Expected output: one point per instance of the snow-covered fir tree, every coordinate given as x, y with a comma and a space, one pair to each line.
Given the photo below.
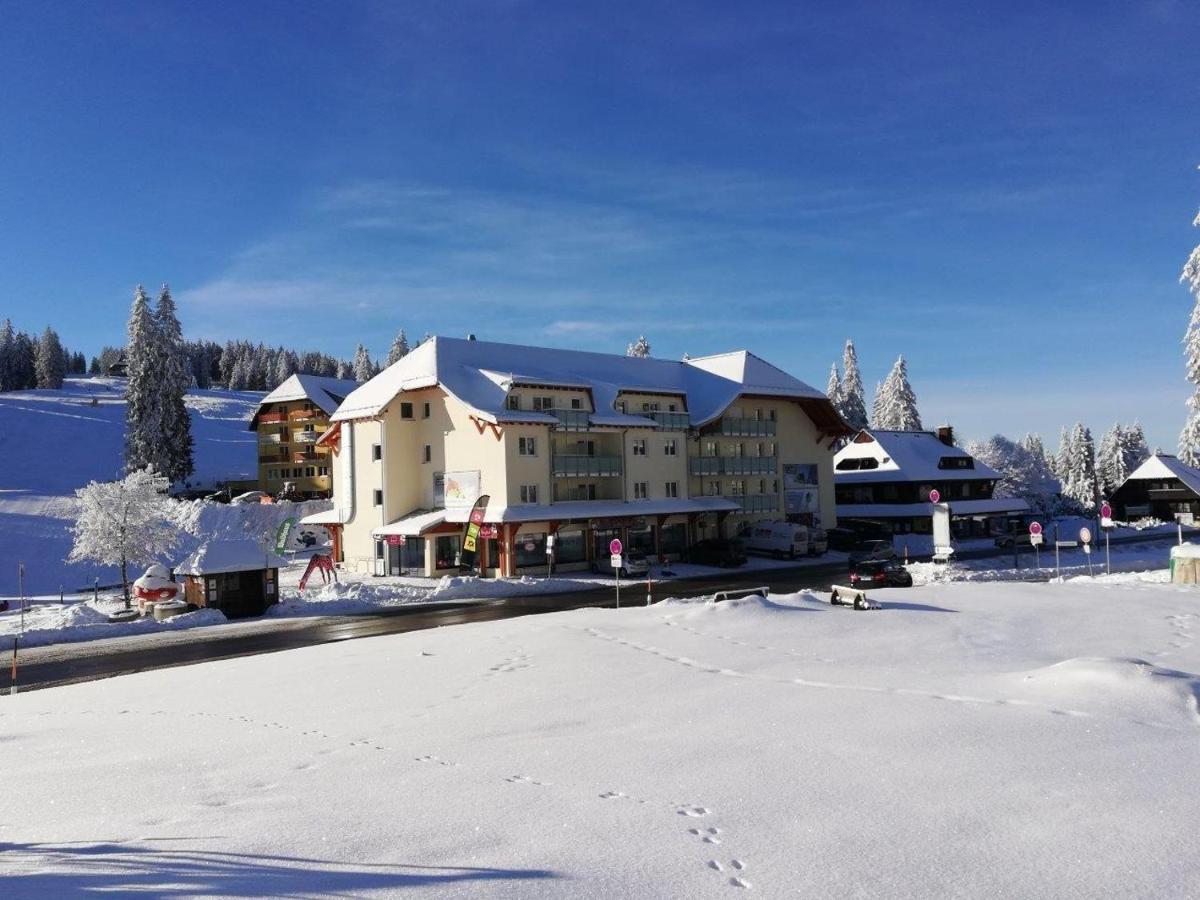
124, 522
177, 377
1077, 468
853, 406
833, 390
876, 404
896, 403
639, 348
1189, 438
49, 361
363, 369
1023, 471
399, 348
1110, 460
1133, 446
287, 364
345, 371
143, 390
7, 343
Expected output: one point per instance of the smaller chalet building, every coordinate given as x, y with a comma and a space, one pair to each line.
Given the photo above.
1160, 487
236, 577
884, 478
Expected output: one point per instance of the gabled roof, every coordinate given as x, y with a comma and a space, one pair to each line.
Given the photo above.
214, 557
326, 393
480, 374
905, 456
1162, 465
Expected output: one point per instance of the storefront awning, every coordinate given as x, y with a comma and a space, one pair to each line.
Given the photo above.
596, 509
412, 526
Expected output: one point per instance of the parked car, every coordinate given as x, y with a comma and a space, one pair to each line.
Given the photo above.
842, 539
818, 541
249, 497
1005, 541
635, 565
871, 550
880, 573
717, 552
778, 539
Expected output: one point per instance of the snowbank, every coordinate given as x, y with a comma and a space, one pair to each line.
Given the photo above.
52, 623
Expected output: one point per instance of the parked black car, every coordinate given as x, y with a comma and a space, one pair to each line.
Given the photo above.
717, 552
872, 550
880, 573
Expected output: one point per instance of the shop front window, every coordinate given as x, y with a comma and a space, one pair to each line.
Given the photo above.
570, 547
446, 551
674, 538
531, 549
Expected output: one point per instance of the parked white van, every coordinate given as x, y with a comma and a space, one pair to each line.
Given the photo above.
777, 538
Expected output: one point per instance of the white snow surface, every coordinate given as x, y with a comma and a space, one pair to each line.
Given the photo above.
967, 740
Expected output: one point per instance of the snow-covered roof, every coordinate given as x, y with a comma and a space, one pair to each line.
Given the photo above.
325, 517
419, 522
1163, 466
905, 456
412, 525
214, 557
325, 393
905, 510
481, 373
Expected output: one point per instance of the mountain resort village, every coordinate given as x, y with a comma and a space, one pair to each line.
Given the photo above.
546, 451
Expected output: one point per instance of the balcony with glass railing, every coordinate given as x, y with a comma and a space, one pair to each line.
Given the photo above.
732, 465
742, 427
570, 419
576, 466
669, 421
305, 437
755, 503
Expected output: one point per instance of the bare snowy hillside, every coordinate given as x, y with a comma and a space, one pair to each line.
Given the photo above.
52, 442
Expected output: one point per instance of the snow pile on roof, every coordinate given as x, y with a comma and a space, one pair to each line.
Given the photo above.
1162, 466
213, 557
906, 456
327, 393
480, 374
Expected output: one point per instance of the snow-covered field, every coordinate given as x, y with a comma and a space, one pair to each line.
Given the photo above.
968, 740
52, 442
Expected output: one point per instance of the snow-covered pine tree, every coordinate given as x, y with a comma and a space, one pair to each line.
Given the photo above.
49, 362
1062, 460
1023, 471
7, 342
287, 364
177, 378
399, 348
833, 390
1189, 438
144, 390
123, 522
1110, 460
363, 370
1080, 481
1033, 443
876, 405
345, 371
1133, 447
239, 376
897, 410
854, 403
24, 364
639, 348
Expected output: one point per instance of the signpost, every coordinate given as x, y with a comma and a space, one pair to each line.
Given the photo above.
1085, 537
1106, 525
935, 496
549, 555
615, 547
1036, 539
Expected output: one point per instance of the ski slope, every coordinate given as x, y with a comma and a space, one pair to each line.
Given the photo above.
52, 442
968, 740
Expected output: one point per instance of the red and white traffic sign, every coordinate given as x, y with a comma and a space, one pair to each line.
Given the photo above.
615, 546
1105, 511
1085, 534
1035, 527
935, 496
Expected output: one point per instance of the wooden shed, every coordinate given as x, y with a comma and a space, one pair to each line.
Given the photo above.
236, 577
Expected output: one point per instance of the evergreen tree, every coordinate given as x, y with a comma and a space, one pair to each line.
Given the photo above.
854, 403
639, 348
1133, 447
1110, 460
897, 410
24, 362
143, 391
49, 362
399, 349
1023, 471
1079, 469
363, 370
833, 390
345, 371
1189, 438
876, 405
7, 350
177, 377
287, 364
95, 367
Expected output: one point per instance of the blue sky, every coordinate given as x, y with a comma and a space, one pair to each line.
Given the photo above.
1002, 192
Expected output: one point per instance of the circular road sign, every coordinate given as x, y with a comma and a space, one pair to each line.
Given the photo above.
615, 546
1035, 527
935, 496
1085, 534
1105, 511
530, 546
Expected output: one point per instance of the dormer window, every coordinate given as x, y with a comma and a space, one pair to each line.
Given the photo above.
513, 401
956, 462
853, 464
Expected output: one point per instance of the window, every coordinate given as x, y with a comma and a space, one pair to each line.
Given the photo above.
446, 551
713, 489
758, 449
649, 407
762, 485
527, 446
406, 411
428, 453
296, 473
310, 471
576, 403
376, 452
639, 447
531, 550
512, 402
529, 493
710, 448
670, 407
672, 489
770, 415
669, 447
378, 498
543, 404
424, 410
758, 415
640, 491
736, 488
621, 406
323, 471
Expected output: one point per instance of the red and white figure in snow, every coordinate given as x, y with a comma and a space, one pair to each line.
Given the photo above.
155, 585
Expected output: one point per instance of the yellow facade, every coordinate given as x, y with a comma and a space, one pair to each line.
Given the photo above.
288, 449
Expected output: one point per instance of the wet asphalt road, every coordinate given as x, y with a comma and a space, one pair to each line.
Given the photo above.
55, 665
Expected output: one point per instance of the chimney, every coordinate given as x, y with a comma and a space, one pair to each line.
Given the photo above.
945, 434
470, 337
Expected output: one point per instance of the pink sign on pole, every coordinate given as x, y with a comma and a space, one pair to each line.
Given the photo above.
615, 546
1035, 527
935, 496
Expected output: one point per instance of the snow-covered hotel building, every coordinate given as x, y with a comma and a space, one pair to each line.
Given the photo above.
885, 478
586, 447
